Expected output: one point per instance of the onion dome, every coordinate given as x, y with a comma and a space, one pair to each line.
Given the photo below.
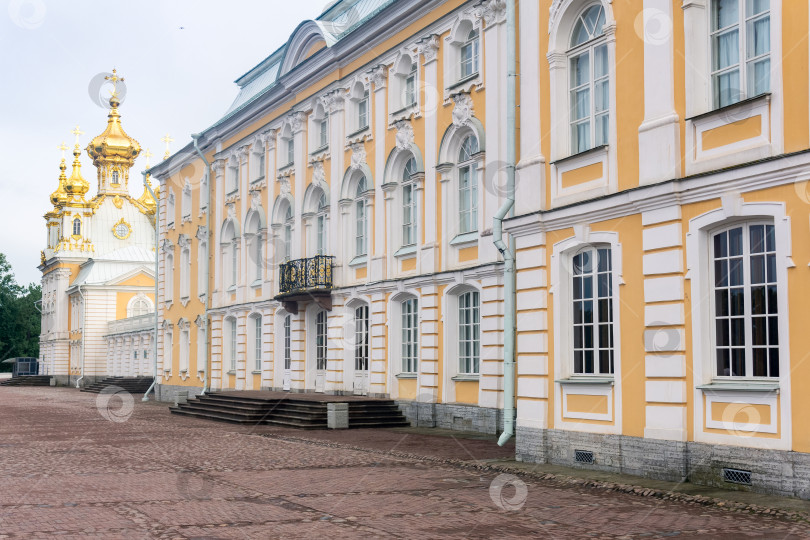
146, 199
59, 197
76, 184
113, 146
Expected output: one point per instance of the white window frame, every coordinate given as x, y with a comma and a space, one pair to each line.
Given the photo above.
321, 339
185, 272
472, 44
743, 64
231, 344
287, 342
358, 117
170, 210
362, 333
322, 226
409, 330
232, 179
360, 215
454, 79
287, 232
472, 191
185, 202
185, 346
706, 385
597, 346
409, 208
567, 382
169, 274
77, 231
258, 163
202, 260
256, 337
202, 347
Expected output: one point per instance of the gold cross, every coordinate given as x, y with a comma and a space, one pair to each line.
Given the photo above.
114, 80
77, 133
62, 147
167, 139
147, 154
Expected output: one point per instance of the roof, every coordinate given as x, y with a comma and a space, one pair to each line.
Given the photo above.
336, 22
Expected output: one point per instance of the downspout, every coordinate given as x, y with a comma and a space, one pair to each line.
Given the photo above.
84, 333
508, 252
195, 138
157, 230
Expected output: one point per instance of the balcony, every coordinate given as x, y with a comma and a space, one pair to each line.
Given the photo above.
306, 279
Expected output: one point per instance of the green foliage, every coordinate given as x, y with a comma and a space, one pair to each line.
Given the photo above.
19, 318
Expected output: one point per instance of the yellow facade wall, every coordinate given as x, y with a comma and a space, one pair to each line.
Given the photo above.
740, 130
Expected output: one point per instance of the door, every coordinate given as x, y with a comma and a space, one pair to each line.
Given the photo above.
361, 350
286, 379
320, 351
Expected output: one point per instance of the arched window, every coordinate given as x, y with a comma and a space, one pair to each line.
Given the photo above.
361, 247
589, 81
115, 177
234, 265
77, 227
408, 204
469, 55
741, 50
288, 230
321, 224
138, 306
468, 186
169, 281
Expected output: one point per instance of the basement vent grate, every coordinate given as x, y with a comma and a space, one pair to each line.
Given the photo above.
583, 456
736, 476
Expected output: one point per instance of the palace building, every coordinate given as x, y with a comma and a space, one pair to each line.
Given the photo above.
335, 230
98, 269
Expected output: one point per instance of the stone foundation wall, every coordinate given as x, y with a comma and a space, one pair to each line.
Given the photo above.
168, 392
453, 416
775, 472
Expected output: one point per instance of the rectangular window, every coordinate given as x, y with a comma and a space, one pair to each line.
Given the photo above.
468, 199
257, 352
469, 56
360, 236
408, 215
262, 167
185, 341
287, 242
135, 355
321, 233
259, 261
410, 336
320, 341
234, 265
745, 302
590, 99
361, 338
741, 47
290, 151
469, 332
232, 344
592, 295
362, 112
288, 342
323, 133
410, 87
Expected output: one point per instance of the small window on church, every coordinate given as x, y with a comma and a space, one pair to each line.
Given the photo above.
115, 177
77, 227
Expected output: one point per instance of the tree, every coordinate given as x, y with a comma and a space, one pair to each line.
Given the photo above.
19, 318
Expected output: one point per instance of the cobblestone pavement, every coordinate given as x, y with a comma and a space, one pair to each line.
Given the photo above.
75, 467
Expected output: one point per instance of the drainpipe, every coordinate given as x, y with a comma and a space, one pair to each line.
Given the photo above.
155, 352
84, 333
195, 137
508, 252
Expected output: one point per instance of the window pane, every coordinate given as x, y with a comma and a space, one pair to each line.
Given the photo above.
725, 13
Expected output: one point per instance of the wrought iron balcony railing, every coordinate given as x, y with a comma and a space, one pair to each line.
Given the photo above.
306, 275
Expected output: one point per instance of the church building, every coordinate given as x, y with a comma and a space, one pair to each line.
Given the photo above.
98, 269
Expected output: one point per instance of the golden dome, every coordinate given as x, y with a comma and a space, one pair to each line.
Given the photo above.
59, 197
114, 145
76, 184
146, 199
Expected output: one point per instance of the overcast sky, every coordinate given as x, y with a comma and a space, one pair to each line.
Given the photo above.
179, 59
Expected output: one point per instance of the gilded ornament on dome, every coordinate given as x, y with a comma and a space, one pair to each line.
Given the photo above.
122, 229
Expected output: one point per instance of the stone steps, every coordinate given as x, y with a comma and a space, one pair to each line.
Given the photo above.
28, 380
299, 412
133, 385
